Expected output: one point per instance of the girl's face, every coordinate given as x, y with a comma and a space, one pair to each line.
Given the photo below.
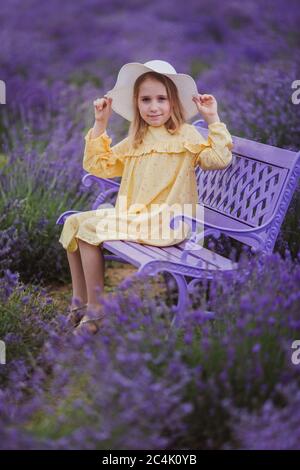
153, 103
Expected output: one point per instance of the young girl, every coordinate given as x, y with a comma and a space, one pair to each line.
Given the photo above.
157, 163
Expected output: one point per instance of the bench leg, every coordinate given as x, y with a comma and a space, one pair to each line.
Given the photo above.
182, 302
191, 287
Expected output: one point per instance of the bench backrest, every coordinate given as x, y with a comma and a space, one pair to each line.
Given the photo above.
256, 188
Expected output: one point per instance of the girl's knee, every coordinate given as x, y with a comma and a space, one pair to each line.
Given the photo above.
82, 242
85, 243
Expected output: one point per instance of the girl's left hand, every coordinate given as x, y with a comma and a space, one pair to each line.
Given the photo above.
207, 105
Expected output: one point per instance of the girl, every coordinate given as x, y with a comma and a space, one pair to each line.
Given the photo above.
157, 163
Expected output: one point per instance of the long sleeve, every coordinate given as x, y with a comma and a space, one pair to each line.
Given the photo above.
213, 153
102, 160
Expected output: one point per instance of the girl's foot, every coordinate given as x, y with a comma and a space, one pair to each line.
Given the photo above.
75, 314
90, 322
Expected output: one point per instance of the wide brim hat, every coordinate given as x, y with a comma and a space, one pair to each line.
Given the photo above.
122, 93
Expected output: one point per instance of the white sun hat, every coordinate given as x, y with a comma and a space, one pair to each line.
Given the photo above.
122, 93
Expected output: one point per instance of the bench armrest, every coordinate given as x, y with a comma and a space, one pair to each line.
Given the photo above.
107, 188
216, 230
104, 183
236, 231
61, 219
100, 199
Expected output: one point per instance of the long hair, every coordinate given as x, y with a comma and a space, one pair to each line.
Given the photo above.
138, 127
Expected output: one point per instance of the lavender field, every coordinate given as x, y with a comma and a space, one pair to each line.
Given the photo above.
227, 383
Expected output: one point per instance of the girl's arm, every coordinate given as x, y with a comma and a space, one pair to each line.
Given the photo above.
213, 153
100, 159
98, 129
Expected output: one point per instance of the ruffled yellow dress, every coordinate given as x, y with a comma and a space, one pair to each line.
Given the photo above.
158, 181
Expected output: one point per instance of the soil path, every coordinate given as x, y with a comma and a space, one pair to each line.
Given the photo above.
114, 275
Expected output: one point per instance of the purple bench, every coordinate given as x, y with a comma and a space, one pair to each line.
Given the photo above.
247, 201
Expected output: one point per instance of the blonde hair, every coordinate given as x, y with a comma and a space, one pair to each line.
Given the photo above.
138, 127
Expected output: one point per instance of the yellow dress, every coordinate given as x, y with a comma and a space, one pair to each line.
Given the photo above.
158, 179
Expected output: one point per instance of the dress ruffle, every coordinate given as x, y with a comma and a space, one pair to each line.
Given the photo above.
191, 140
156, 147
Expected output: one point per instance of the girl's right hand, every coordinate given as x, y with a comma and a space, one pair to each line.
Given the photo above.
102, 109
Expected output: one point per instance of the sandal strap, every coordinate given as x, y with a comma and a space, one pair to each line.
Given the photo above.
75, 309
88, 320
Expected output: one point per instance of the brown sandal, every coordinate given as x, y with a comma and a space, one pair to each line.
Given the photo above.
75, 314
89, 325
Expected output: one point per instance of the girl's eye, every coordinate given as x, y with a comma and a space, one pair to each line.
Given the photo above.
146, 99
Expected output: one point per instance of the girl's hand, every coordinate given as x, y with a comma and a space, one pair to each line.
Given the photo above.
207, 105
103, 110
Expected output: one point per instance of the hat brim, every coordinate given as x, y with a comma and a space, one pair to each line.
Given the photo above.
122, 93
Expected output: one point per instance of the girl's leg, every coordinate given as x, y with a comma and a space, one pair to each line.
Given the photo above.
77, 275
93, 264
